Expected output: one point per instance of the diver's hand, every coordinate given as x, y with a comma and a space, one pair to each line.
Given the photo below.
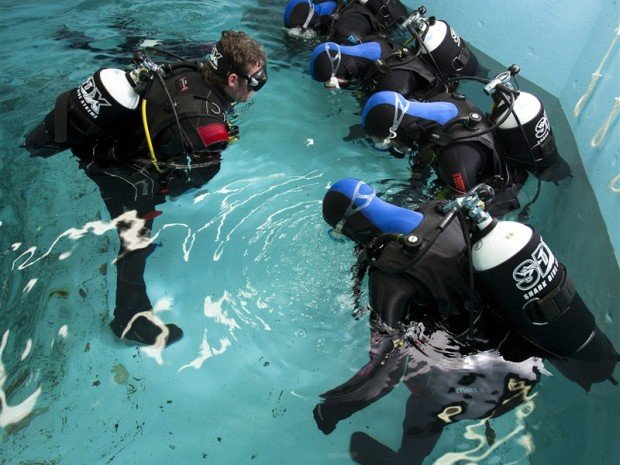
324, 423
356, 131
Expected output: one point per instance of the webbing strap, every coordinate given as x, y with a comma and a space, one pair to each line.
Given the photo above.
60, 117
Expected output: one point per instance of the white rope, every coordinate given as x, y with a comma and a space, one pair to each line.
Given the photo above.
615, 184
596, 75
599, 136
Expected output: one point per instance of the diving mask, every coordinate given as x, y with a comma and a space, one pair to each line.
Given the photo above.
257, 80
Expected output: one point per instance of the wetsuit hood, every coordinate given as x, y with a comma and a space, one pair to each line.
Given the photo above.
342, 61
305, 14
388, 115
352, 207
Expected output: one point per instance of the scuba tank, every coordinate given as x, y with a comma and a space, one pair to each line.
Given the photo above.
522, 278
526, 132
441, 45
96, 109
521, 125
526, 286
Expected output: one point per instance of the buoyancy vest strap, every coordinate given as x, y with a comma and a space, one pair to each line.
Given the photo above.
462, 59
60, 117
170, 121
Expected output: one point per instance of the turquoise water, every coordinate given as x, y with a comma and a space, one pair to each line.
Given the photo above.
245, 267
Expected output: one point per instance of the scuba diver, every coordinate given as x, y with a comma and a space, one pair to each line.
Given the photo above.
379, 65
465, 349
452, 136
148, 133
417, 71
464, 145
344, 21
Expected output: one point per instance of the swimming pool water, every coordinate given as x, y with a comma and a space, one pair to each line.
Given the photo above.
245, 266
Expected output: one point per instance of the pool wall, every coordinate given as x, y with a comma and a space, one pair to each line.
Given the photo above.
560, 45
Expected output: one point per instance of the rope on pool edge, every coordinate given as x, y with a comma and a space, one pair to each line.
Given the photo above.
599, 136
615, 183
596, 75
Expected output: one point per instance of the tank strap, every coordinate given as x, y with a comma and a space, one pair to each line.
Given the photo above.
60, 117
461, 61
553, 305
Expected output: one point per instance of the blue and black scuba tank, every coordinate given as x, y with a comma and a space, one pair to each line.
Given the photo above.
103, 106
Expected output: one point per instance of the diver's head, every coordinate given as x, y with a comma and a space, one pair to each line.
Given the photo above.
237, 64
386, 121
352, 208
304, 14
337, 65
342, 209
353, 27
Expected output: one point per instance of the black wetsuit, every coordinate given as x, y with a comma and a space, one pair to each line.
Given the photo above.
352, 21
120, 165
398, 70
403, 72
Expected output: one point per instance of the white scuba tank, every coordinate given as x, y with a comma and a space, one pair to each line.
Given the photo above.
524, 283
101, 107
106, 97
528, 117
504, 241
447, 49
117, 84
513, 257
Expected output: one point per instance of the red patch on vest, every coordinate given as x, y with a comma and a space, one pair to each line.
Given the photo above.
182, 84
459, 184
213, 133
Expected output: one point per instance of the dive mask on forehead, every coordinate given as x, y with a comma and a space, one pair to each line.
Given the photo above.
401, 105
310, 15
352, 208
334, 61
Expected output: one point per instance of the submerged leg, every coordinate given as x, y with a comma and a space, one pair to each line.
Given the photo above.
125, 189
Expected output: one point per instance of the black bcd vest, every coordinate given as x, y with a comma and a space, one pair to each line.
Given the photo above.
194, 101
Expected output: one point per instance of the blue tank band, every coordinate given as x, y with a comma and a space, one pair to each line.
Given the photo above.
322, 9
369, 50
441, 112
388, 218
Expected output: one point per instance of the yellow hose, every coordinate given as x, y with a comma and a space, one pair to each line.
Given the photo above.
148, 137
